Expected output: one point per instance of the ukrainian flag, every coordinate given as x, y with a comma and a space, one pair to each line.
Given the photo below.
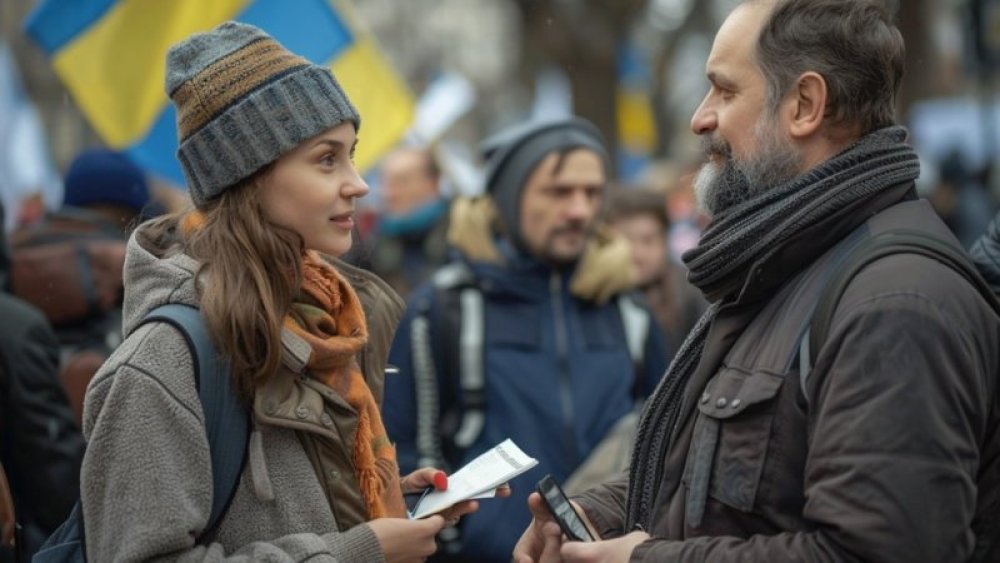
112, 56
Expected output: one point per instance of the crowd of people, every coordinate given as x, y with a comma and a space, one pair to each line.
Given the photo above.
813, 376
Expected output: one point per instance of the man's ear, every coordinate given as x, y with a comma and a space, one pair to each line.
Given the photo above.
807, 105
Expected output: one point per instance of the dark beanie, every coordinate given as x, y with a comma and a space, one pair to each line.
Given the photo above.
105, 177
243, 100
512, 155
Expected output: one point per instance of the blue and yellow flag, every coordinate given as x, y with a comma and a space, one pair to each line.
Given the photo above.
111, 54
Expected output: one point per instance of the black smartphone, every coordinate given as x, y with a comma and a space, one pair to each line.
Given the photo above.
564, 513
414, 498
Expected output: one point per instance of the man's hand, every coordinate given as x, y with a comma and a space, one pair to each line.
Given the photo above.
541, 541
618, 550
529, 547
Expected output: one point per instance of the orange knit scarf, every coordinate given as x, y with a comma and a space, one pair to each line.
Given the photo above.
328, 315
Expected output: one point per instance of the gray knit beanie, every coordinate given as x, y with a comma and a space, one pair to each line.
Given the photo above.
243, 100
512, 155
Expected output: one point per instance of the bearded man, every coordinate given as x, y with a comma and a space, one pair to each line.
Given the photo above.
882, 442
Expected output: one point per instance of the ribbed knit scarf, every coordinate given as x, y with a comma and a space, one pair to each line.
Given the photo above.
328, 315
739, 237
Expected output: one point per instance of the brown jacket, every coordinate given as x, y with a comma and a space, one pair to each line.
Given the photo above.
875, 457
326, 424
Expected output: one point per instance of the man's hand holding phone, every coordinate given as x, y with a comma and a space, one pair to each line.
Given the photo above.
563, 511
543, 541
543, 537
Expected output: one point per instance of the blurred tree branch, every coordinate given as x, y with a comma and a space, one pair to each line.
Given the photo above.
581, 37
697, 21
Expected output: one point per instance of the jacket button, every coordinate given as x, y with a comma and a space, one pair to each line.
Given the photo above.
736, 403
334, 474
721, 403
705, 398
302, 412
326, 420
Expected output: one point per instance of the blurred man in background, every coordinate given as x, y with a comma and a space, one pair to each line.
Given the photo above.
411, 234
70, 264
639, 214
529, 334
41, 446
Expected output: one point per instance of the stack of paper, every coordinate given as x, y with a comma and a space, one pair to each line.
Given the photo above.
478, 479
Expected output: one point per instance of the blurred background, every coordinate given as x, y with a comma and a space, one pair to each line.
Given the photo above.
633, 67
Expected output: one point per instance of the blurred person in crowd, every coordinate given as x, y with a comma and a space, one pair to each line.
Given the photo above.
881, 440
70, 264
639, 214
411, 236
529, 334
962, 200
40, 444
686, 220
270, 170
985, 254
108, 188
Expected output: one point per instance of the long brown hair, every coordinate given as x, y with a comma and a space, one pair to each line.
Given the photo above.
251, 271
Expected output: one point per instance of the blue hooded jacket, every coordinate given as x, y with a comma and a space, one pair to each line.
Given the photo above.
558, 376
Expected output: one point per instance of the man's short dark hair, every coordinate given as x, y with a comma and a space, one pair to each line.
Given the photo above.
625, 202
852, 44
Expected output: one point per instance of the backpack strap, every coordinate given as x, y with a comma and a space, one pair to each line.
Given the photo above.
227, 421
871, 250
454, 289
426, 399
635, 321
903, 241
472, 379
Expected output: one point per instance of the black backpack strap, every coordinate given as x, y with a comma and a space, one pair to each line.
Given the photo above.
871, 250
227, 421
865, 253
886, 244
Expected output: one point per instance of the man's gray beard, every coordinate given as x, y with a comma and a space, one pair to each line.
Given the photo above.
720, 186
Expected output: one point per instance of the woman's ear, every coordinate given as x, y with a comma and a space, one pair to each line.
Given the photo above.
807, 105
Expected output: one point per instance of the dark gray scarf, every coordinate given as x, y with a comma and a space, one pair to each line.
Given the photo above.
743, 235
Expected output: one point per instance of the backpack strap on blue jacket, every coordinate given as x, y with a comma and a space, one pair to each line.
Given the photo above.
227, 421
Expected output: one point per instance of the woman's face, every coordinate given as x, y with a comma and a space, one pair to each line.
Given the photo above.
312, 188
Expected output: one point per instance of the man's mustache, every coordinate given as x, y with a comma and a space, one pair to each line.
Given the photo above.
714, 146
572, 228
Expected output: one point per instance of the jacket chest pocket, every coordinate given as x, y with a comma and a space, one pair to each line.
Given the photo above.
730, 441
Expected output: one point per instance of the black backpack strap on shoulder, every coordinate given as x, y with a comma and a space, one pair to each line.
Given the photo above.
872, 250
227, 421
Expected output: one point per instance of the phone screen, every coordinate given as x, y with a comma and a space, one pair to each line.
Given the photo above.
564, 513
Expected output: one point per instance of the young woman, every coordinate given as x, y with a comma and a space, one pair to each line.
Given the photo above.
266, 144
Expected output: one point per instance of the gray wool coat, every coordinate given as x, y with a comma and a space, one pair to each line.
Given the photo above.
146, 479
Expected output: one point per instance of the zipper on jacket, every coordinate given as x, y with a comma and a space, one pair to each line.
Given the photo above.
562, 351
